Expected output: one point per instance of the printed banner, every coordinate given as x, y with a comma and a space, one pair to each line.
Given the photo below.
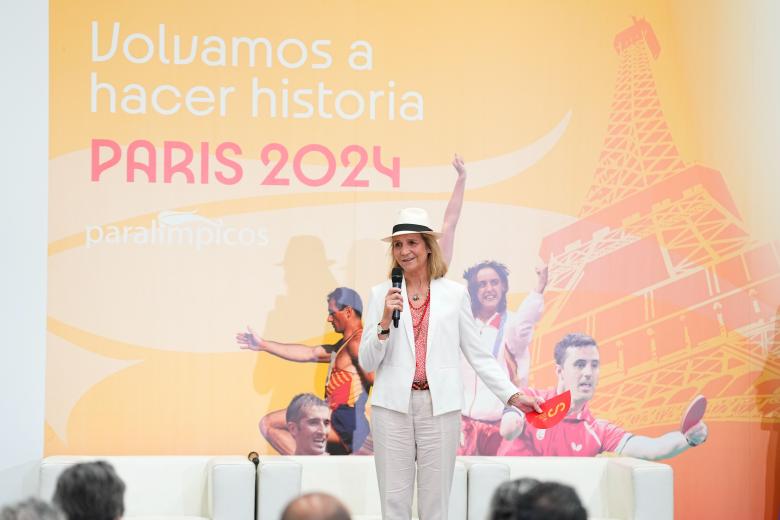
221, 178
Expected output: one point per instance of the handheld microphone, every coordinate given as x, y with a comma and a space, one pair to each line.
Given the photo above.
396, 276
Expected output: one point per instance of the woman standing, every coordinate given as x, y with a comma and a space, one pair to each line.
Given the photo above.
418, 391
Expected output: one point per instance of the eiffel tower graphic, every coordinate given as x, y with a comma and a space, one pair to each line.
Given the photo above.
662, 271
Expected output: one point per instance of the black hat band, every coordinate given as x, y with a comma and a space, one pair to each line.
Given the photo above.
416, 228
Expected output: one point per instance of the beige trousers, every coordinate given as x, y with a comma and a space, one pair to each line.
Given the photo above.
417, 442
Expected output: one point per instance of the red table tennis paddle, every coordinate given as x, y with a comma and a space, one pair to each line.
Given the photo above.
553, 411
693, 413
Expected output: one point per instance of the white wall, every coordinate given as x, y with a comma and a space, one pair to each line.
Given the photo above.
23, 209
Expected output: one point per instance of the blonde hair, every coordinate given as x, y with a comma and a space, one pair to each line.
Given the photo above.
437, 267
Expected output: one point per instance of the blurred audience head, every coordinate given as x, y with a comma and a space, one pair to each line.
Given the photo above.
315, 506
30, 509
90, 491
503, 506
529, 499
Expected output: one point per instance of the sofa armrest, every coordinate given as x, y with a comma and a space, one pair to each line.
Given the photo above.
483, 480
231, 488
640, 489
278, 482
50, 470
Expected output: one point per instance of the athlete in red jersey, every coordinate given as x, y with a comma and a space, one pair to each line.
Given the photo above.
580, 433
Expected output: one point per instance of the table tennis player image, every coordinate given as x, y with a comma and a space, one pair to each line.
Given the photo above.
580, 434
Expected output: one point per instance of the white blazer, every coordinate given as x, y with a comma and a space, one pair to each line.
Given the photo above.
451, 330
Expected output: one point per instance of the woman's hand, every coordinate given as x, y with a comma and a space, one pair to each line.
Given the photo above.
393, 301
526, 403
249, 340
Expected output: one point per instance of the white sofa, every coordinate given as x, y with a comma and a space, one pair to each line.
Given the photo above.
609, 487
351, 479
167, 487
230, 488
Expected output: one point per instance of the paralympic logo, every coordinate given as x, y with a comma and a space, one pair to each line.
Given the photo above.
180, 229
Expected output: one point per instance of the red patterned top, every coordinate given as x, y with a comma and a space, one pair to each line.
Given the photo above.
420, 317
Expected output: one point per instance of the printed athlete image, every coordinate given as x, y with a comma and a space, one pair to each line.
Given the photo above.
346, 385
580, 434
506, 335
309, 423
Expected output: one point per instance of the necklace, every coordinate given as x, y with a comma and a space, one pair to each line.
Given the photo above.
416, 296
422, 310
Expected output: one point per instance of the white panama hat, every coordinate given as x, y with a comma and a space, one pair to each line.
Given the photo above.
412, 220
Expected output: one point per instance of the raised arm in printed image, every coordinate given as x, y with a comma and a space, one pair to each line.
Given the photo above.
452, 213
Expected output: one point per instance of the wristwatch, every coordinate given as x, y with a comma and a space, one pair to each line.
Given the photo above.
380, 331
